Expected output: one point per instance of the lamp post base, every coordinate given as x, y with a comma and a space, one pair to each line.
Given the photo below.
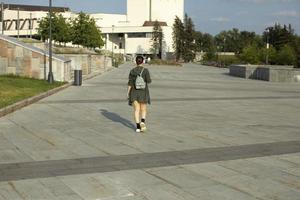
50, 78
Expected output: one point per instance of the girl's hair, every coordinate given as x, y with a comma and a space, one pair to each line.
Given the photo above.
139, 60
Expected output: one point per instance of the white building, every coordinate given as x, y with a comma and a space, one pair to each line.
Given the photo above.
129, 34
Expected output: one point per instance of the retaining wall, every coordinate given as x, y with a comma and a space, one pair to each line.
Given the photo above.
23, 59
88, 63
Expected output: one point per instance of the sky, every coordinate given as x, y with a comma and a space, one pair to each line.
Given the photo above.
210, 16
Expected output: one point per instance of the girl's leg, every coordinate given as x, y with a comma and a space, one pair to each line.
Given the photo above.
143, 110
137, 109
143, 113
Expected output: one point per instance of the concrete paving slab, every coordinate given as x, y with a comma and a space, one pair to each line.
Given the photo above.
57, 144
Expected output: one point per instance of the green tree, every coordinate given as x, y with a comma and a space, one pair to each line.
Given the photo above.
235, 41
157, 38
178, 37
208, 42
286, 56
85, 32
44, 27
61, 29
271, 53
95, 40
279, 36
250, 54
198, 41
62, 32
249, 38
188, 44
210, 54
297, 50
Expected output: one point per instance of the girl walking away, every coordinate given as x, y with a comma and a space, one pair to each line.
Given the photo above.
138, 93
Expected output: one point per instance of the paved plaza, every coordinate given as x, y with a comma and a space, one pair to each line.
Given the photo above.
211, 137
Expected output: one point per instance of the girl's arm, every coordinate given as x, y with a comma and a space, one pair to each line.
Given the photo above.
128, 90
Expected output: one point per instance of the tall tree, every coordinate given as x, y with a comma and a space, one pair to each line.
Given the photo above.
95, 40
157, 38
62, 30
279, 35
85, 32
208, 42
189, 39
178, 37
43, 29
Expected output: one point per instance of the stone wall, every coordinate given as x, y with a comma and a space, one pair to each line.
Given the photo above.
266, 73
26, 60
88, 63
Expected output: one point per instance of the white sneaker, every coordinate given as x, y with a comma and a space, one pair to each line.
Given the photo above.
143, 127
138, 130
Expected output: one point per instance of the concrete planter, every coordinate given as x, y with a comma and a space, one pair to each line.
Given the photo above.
266, 72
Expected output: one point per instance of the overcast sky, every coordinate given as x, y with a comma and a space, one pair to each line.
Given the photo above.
210, 16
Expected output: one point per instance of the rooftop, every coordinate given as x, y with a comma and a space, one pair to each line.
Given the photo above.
23, 7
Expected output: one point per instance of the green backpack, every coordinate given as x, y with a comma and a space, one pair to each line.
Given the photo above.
139, 81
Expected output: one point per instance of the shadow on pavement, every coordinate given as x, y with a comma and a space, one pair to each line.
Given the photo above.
117, 118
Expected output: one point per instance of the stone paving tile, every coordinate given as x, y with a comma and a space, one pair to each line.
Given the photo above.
166, 191
131, 179
8, 192
181, 178
293, 158
193, 107
294, 171
91, 187
220, 192
31, 189
261, 188
13, 156
211, 170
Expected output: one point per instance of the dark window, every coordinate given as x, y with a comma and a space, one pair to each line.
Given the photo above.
136, 35
120, 45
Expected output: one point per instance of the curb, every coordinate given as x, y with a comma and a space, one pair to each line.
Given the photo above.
21, 104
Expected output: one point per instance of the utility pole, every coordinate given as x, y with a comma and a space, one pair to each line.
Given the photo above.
18, 23
268, 46
30, 25
150, 10
50, 74
112, 45
2, 18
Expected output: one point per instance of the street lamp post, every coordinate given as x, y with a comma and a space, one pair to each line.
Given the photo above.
112, 45
268, 46
18, 23
2, 18
30, 25
50, 74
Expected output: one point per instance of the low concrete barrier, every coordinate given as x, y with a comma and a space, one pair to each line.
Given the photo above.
266, 73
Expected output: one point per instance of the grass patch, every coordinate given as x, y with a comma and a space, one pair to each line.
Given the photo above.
72, 50
164, 62
30, 40
16, 88
222, 61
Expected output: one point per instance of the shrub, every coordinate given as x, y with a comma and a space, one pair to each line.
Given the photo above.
164, 62
271, 52
210, 55
226, 60
286, 56
250, 54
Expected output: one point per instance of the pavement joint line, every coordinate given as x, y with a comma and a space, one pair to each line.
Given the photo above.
173, 99
53, 168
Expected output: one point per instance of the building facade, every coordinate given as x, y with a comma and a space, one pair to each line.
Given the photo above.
127, 34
